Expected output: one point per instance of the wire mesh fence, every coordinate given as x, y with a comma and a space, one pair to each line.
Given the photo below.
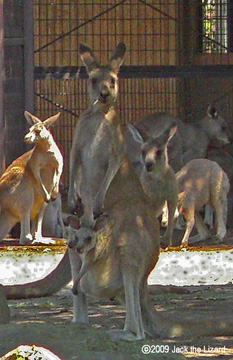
160, 35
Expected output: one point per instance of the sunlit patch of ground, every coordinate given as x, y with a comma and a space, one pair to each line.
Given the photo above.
22, 264
181, 267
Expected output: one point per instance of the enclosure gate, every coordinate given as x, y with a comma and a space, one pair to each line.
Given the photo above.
174, 63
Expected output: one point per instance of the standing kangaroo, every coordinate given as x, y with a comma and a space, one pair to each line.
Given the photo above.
31, 181
126, 251
202, 182
97, 146
156, 175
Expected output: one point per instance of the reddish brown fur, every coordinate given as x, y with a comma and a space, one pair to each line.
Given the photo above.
22, 194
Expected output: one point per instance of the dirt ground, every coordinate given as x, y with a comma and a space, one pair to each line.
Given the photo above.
199, 320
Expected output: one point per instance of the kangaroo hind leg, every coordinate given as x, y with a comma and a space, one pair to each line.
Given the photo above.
133, 329
6, 224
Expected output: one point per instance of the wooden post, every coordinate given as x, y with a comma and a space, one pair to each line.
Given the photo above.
2, 129
19, 70
29, 55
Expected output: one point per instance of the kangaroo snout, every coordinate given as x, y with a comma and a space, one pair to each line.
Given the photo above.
80, 249
149, 156
71, 245
226, 141
149, 166
220, 141
104, 95
28, 139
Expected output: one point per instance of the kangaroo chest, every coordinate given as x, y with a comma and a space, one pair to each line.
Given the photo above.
103, 141
155, 187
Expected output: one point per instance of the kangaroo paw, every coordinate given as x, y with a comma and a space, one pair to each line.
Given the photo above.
75, 290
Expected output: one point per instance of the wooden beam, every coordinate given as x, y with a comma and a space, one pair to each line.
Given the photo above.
29, 55
138, 71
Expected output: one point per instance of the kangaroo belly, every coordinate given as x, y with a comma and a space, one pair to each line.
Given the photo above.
157, 196
37, 201
93, 175
103, 280
47, 176
36, 207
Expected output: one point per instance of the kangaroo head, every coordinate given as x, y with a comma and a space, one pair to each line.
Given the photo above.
215, 126
84, 238
153, 150
39, 130
103, 80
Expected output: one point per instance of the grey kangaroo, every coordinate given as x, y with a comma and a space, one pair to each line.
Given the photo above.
125, 252
97, 146
156, 175
202, 182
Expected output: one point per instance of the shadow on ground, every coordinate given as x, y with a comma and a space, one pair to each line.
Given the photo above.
199, 318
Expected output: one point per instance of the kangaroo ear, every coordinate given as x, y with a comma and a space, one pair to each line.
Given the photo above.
166, 136
31, 119
172, 131
88, 58
212, 112
117, 57
101, 222
51, 120
138, 135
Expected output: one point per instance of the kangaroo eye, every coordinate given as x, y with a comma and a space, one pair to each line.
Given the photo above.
88, 240
159, 153
113, 82
94, 81
37, 132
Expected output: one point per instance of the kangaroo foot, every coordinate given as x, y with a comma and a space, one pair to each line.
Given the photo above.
164, 243
124, 335
26, 239
197, 238
217, 240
